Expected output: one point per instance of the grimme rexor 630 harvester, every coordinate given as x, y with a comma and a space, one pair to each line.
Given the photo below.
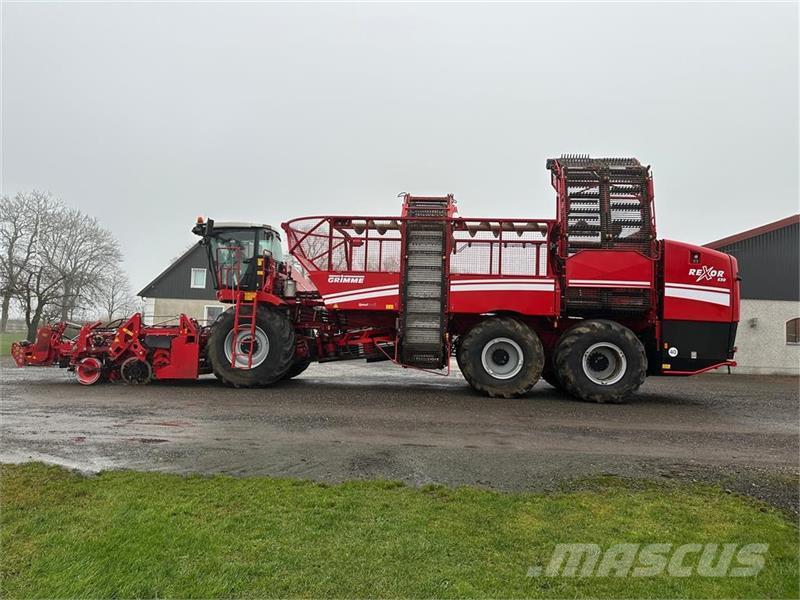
591, 301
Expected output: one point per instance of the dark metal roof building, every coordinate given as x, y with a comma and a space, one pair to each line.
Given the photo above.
176, 281
769, 259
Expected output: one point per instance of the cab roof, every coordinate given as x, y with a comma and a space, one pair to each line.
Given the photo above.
242, 225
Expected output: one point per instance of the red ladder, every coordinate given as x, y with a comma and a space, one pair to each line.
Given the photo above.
244, 315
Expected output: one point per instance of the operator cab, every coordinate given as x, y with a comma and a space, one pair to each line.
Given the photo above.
237, 252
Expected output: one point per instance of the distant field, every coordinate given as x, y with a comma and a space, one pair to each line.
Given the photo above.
128, 534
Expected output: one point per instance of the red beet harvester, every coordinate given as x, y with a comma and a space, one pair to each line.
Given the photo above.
591, 301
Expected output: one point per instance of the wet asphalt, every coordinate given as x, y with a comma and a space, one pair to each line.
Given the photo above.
357, 421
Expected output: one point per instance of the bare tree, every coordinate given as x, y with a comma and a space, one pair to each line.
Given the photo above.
80, 252
21, 219
115, 297
54, 261
318, 248
37, 292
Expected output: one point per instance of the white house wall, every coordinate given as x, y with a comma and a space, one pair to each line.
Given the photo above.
761, 338
165, 308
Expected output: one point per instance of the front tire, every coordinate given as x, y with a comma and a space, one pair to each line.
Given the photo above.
501, 357
272, 355
297, 367
600, 361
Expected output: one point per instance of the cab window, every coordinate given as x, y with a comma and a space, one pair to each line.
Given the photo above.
271, 243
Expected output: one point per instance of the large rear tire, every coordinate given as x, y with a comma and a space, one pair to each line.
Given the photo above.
272, 355
550, 375
458, 352
297, 367
600, 361
501, 357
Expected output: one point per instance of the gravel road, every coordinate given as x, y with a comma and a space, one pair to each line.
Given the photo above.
351, 420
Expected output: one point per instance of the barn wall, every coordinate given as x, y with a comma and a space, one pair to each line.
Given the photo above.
769, 264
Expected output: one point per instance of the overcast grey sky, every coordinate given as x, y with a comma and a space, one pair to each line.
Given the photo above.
146, 115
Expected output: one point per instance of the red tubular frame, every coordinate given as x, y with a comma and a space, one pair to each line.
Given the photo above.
499, 228
727, 363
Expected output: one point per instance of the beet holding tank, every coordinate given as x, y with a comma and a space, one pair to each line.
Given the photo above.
700, 307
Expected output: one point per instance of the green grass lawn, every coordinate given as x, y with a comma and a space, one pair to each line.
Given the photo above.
127, 534
6, 339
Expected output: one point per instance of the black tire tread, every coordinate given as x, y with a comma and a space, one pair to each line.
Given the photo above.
551, 377
458, 353
297, 367
515, 387
284, 340
600, 329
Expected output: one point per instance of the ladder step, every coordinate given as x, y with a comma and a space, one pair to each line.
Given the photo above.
424, 226
584, 228
427, 212
428, 247
424, 290
424, 305
627, 222
245, 316
425, 260
421, 359
429, 337
424, 275
423, 321
414, 232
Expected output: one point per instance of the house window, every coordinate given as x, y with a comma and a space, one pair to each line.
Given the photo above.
793, 331
212, 311
198, 278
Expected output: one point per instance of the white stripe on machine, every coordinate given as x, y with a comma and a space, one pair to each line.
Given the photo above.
608, 283
503, 287
501, 280
721, 298
361, 295
464, 285
692, 286
362, 291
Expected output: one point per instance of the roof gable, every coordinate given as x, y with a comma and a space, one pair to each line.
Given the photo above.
174, 281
